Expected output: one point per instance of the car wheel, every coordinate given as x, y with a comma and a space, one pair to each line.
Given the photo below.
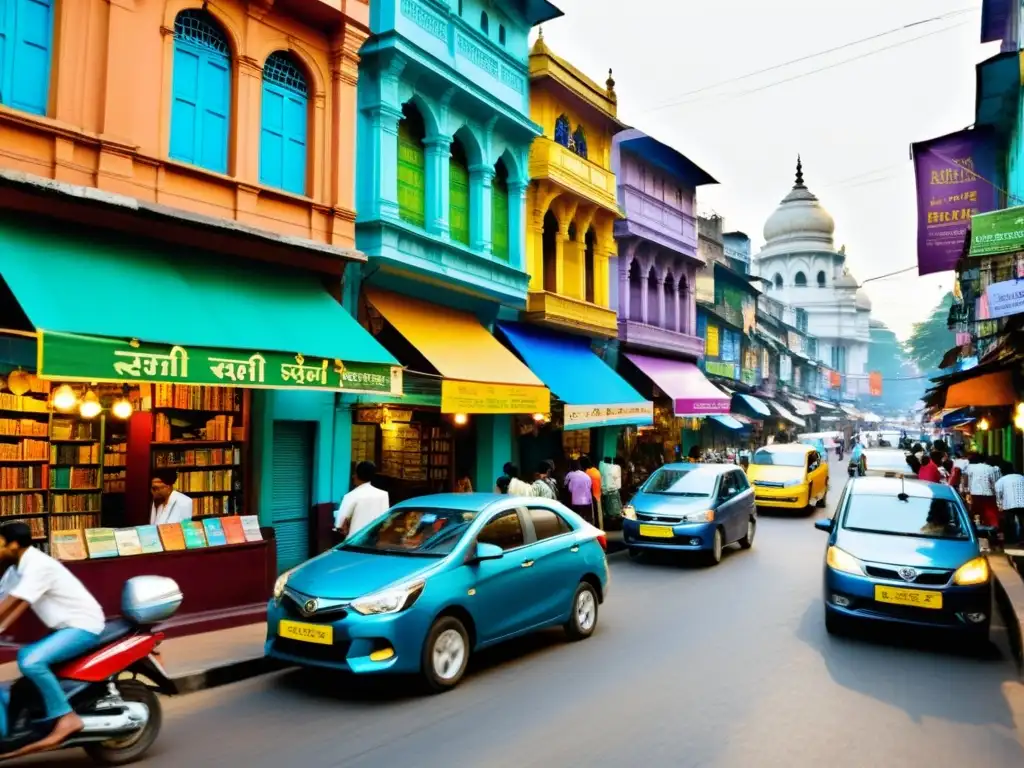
714, 555
823, 500
748, 541
583, 617
445, 654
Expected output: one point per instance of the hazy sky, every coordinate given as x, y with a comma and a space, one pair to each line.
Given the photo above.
852, 122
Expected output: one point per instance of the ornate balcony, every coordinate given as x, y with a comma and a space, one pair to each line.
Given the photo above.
570, 314
565, 168
656, 339
657, 221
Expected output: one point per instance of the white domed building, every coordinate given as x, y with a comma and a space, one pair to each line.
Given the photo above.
804, 270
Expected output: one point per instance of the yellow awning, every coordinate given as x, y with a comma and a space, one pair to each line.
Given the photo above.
480, 375
987, 390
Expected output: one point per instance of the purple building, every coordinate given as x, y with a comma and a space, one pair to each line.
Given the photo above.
657, 265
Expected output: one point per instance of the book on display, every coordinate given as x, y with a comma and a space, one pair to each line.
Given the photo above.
128, 542
101, 542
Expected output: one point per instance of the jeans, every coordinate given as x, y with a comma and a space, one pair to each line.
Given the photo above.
35, 662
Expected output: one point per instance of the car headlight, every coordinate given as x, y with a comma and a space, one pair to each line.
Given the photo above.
972, 572
706, 516
391, 600
282, 580
628, 512
841, 560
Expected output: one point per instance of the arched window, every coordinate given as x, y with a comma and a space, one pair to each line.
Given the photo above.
653, 316
458, 193
26, 41
589, 244
283, 124
550, 252
636, 313
499, 212
579, 140
684, 292
562, 130
501, 34
201, 92
821, 278
800, 279
412, 167
778, 280
670, 302
485, 23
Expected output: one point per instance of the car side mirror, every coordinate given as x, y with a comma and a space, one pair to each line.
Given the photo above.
825, 524
486, 551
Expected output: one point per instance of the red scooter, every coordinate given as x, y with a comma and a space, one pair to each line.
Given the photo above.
112, 688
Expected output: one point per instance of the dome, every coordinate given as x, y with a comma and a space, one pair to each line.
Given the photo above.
846, 280
863, 302
799, 217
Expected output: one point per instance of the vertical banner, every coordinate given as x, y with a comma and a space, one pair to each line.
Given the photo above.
706, 285
955, 177
711, 342
875, 383
835, 380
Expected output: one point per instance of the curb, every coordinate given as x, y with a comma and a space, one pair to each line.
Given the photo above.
226, 674
1009, 594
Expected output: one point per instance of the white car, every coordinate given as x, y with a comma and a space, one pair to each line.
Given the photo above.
887, 462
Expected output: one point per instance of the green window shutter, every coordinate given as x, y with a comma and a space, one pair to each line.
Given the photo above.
458, 194
499, 219
292, 493
412, 172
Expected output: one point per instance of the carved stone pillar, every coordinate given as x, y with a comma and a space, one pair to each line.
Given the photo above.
517, 226
437, 182
480, 179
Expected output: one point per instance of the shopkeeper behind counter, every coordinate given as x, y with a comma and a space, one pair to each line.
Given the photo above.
169, 506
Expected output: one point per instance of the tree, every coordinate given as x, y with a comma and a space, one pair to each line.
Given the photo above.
931, 338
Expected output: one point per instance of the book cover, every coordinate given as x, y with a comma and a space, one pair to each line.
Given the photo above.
233, 531
251, 528
100, 542
214, 532
172, 536
194, 536
149, 537
68, 545
128, 542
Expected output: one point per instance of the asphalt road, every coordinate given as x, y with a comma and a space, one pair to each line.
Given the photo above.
690, 666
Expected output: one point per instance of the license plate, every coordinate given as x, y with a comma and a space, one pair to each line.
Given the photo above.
321, 634
657, 531
919, 598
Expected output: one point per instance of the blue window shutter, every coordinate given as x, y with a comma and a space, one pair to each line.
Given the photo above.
272, 137
215, 98
26, 35
185, 104
295, 111
283, 141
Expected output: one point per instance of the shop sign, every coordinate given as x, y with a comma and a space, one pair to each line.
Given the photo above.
475, 397
95, 358
726, 370
785, 368
875, 383
796, 342
586, 416
706, 285
1005, 298
711, 342
749, 314
997, 232
749, 376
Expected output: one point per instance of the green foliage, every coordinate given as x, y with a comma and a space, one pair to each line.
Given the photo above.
931, 338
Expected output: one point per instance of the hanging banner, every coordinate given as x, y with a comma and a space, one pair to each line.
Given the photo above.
475, 397
706, 285
587, 416
1005, 298
954, 176
711, 342
785, 368
998, 232
875, 383
835, 381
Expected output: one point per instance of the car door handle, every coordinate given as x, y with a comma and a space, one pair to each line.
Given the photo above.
575, 548
527, 564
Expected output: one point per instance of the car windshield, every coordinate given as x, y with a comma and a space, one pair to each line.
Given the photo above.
698, 482
925, 517
411, 531
779, 458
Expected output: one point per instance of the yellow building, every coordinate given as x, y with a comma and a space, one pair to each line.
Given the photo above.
571, 207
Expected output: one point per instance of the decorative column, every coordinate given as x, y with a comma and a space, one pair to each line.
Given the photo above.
625, 261
536, 235
438, 184
659, 287
245, 165
480, 179
381, 155
517, 227
644, 308
676, 301
561, 238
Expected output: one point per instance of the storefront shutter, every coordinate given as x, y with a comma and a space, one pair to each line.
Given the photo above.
292, 494
412, 197
458, 209
499, 219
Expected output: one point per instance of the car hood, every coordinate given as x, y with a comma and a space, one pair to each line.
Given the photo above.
341, 574
907, 550
664, 504
775, 474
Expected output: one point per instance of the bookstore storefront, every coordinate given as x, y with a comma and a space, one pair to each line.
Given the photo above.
167, 364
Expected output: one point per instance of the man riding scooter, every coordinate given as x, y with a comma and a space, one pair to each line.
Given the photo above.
60, 601
858, 462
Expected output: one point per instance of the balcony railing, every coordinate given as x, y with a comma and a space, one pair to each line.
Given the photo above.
573, 314
660, 339
549, 160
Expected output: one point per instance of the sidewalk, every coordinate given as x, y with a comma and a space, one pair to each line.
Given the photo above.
208, 660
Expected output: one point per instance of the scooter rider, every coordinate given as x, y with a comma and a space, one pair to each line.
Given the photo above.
63, 604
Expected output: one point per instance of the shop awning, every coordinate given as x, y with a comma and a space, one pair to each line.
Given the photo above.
480, 374
593, 393
824, 404
849, 410
754, 404
114, 311
692, 394
786, 414
802, 407
727, 421
987, 390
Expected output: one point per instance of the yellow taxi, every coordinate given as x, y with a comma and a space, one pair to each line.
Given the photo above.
789, 476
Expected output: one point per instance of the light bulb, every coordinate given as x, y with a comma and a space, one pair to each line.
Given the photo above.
122, 409
983, 425
461, 419
19, 382
64, 398
538, 417
90, 407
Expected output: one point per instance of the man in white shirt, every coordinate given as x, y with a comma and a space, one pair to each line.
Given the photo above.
981, 484
63, 604
169, 506
362, 505
1010, 498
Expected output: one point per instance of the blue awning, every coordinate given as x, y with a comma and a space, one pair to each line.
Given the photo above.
593, 393
728, 421
754, 404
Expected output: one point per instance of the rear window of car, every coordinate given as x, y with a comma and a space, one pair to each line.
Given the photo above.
922, 517
547, 523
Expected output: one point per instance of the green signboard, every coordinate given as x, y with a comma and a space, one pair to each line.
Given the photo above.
94, 358
997, 232
716, 368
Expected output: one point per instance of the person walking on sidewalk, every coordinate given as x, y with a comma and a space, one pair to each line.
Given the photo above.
516, 486
581, 491
362, 505
1010, 499
595, 486
981, 484
544, 486
611, 487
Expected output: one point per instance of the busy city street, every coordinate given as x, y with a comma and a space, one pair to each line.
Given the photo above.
691, 666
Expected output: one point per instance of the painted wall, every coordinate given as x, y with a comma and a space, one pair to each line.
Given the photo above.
107, 121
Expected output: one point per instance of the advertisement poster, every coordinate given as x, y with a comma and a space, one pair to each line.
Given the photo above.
875, 383
953, 175
1005, 298
998, 232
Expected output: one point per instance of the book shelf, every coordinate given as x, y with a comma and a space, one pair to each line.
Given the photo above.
76, 470
25, 456
439, 448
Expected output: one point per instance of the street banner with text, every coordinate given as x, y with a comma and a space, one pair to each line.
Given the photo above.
476, 397
1005, 298
998, 232
586, 416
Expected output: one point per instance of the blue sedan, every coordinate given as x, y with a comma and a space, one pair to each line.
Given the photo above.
905, 552
691, 508
436, 578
